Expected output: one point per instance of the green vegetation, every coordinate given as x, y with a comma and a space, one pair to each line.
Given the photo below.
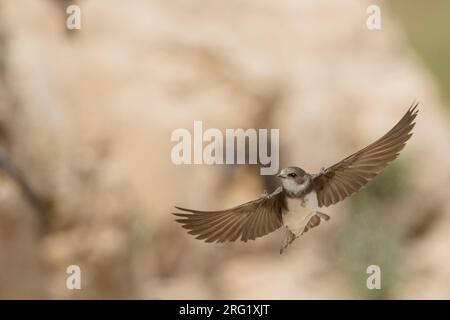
366, 238
427, 26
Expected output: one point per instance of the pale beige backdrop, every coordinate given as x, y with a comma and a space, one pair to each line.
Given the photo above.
87, 116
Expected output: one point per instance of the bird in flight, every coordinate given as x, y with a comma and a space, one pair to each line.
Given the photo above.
295, 205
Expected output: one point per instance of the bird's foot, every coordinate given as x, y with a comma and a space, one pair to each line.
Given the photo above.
265, 194
323, 216
315, 221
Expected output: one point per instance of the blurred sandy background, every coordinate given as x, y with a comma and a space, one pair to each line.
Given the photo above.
87, 115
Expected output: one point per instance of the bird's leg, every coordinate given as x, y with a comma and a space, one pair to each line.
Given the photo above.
323, 216
315, 221
289, 237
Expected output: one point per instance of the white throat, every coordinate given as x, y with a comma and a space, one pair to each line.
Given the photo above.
291, 186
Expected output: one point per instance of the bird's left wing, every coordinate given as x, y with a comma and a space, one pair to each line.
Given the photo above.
247, 221
351, 174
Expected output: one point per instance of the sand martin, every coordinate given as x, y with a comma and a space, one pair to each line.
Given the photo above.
295, 205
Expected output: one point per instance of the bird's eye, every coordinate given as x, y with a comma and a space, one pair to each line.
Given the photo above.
293, 175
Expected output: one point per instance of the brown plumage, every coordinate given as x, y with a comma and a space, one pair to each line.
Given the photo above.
351, 174
247, 221
259, 217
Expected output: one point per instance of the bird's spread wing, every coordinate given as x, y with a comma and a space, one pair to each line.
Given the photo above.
351, 174
244, 222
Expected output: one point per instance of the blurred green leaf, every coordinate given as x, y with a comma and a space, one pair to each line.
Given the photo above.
427, 27
366, 240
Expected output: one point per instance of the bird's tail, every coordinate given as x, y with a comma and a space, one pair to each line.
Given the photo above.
289, 237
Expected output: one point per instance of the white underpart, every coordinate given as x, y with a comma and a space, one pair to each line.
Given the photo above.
300, 211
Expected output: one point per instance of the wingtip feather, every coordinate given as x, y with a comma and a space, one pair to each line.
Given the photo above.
183, 209
183, 215
414, 110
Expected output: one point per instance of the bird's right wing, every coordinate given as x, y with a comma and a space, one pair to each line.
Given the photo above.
351, 174
247, 221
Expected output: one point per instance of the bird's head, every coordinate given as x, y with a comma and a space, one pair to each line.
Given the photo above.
295, 180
